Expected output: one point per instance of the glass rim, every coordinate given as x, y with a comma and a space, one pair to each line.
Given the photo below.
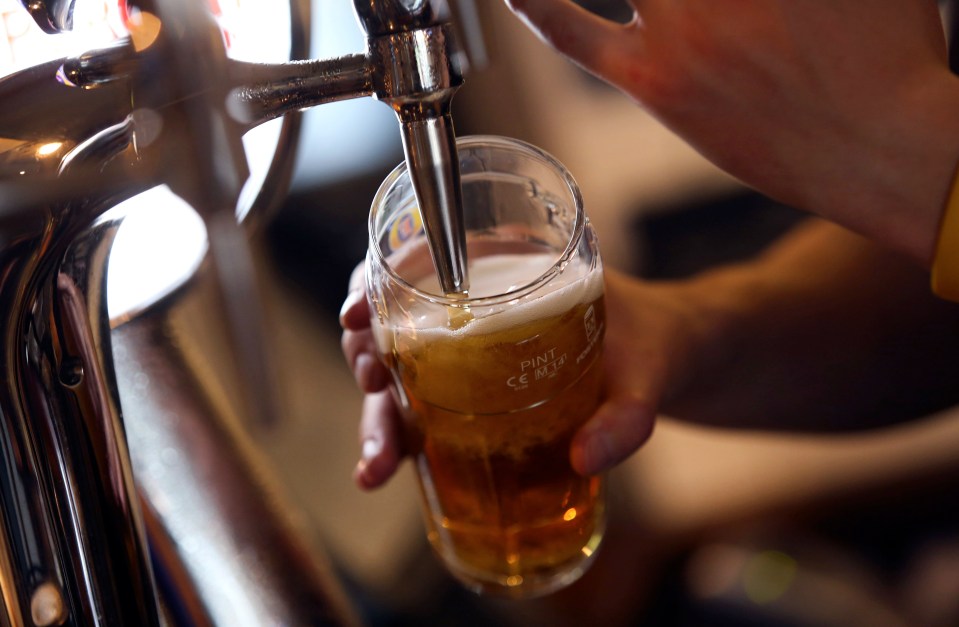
558, 265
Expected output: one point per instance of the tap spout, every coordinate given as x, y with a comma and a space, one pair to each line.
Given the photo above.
417, 73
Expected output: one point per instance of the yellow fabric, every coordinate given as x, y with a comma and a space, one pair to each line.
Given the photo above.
945, 263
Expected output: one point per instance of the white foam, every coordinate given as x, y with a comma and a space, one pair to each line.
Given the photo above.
501, 273
497, 274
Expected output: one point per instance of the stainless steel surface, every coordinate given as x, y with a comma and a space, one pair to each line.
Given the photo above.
229, 530
166, 106
53, 16
430, 148
69, 508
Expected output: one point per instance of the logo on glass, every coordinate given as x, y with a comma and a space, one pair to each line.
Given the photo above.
406, 225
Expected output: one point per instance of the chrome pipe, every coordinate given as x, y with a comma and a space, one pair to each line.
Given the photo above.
79, 136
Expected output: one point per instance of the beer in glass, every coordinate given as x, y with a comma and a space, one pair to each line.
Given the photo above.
493, 384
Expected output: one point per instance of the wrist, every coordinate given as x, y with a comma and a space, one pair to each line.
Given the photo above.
892, 184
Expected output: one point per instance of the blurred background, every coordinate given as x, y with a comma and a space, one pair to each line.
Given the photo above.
709, 527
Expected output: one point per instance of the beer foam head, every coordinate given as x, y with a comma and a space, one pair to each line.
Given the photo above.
502, 274
497, 274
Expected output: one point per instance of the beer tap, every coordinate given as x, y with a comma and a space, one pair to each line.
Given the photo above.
163, 106
412, 63
419, 85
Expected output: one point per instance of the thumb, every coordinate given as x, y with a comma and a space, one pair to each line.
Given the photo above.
619, 427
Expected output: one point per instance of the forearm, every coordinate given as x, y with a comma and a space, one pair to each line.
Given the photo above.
824, 331
888, 174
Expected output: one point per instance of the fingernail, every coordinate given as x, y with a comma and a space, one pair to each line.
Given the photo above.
369, 450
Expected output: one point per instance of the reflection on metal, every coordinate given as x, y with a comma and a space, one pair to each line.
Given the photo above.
224, 534
53, 16
168, 105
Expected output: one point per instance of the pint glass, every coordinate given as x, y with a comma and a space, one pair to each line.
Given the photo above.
493, 384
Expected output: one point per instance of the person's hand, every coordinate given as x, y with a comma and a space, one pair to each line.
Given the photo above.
653, 337
757, 345
380, 423
650, 333
845, 108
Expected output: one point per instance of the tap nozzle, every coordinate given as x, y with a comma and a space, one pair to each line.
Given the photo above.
416, 71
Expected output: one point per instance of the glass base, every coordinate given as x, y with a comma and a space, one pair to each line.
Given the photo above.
528, 586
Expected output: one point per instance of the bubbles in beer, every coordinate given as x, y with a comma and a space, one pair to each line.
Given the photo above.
508, 358
492, 402
494, 384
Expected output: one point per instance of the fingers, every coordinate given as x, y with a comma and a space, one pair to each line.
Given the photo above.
636, 358
359, 348
619, 427
357, 340
380, 449
360, 352
584, 37
355, 312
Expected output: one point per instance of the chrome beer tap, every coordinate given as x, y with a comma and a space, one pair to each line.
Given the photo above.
419, 84
82, 540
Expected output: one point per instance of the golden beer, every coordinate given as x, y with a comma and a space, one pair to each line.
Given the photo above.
494, 383
491, 408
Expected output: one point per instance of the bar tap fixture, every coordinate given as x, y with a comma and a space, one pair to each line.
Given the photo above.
83, 540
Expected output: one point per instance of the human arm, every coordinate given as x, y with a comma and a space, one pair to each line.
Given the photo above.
826, 330
845, 108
